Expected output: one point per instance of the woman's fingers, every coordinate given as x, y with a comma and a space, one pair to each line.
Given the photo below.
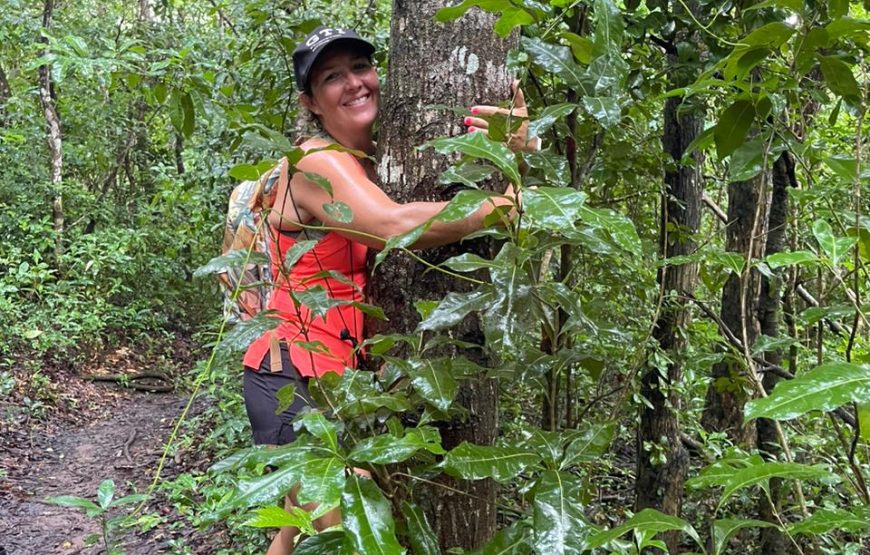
519, 99
476, 122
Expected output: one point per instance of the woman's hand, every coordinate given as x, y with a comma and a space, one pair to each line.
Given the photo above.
519, 140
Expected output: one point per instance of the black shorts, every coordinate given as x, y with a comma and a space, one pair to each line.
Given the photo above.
261, 388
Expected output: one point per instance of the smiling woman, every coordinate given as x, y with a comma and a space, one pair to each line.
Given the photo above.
339, 86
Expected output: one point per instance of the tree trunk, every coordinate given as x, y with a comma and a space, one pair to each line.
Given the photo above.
661, 472
49, 108
773, 542
457, 64
728, 391
5, 95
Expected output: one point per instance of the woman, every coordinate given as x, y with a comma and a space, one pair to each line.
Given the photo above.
339, 86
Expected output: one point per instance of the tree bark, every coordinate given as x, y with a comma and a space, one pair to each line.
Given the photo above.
457, 64
5, 95
55, 143
773, 542
748, 206
661, 473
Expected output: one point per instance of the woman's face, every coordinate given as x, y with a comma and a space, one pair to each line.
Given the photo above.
344, 90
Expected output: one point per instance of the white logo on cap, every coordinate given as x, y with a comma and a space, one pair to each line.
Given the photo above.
322, 37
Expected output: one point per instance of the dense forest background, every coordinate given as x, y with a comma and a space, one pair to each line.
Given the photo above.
676, 325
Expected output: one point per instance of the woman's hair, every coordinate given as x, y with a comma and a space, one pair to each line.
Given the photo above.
307, 125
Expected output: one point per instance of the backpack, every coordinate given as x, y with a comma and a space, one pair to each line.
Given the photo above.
249, 206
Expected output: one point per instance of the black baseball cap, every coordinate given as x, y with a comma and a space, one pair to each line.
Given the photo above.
315, 44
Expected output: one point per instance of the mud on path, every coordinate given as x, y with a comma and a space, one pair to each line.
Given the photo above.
63, 434
124, 445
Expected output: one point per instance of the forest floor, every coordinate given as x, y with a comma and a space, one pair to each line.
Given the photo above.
94, 431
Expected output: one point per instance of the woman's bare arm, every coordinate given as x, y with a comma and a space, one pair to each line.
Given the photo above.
376, 217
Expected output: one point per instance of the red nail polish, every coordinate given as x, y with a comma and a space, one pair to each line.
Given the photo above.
474, 111
472, 129
467, 121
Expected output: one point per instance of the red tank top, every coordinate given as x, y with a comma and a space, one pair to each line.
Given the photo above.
328, 348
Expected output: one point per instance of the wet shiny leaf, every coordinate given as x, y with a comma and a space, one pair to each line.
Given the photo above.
560, 525
823, 388
476, 462
368, 518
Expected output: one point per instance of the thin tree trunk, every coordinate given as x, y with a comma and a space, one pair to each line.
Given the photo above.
5, 95
773, 542
729, 387
457, 64
55, 144
661, 472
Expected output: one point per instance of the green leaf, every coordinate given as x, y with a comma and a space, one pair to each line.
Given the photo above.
773, 35
838, 8
277, 517
477, 145
463, 204
839, 77
230, 260
555, 59
510, 18
731, 261
835, 247
748, 160
616, 225
560, 525
605, 109
825, 520
129, 499
725, 528
420, 534
320, 181
285, 395
513, 540
89, 506
581, 47
338, 211
553, 208
590, 445
823, 388
105, 493
321, 428
467, 262
734, 123
476, 462
847, 27
864, 421
332, 542
244, 172
466, 173
844, 166
272, 486
455, 12
318, 300
367, 517
759, 474
321, 481
454, 308
646, 521
189, 115
433, 381
782, 259
297, 251
549, 116
389, 449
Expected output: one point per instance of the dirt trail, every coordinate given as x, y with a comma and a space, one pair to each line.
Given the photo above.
124, 445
